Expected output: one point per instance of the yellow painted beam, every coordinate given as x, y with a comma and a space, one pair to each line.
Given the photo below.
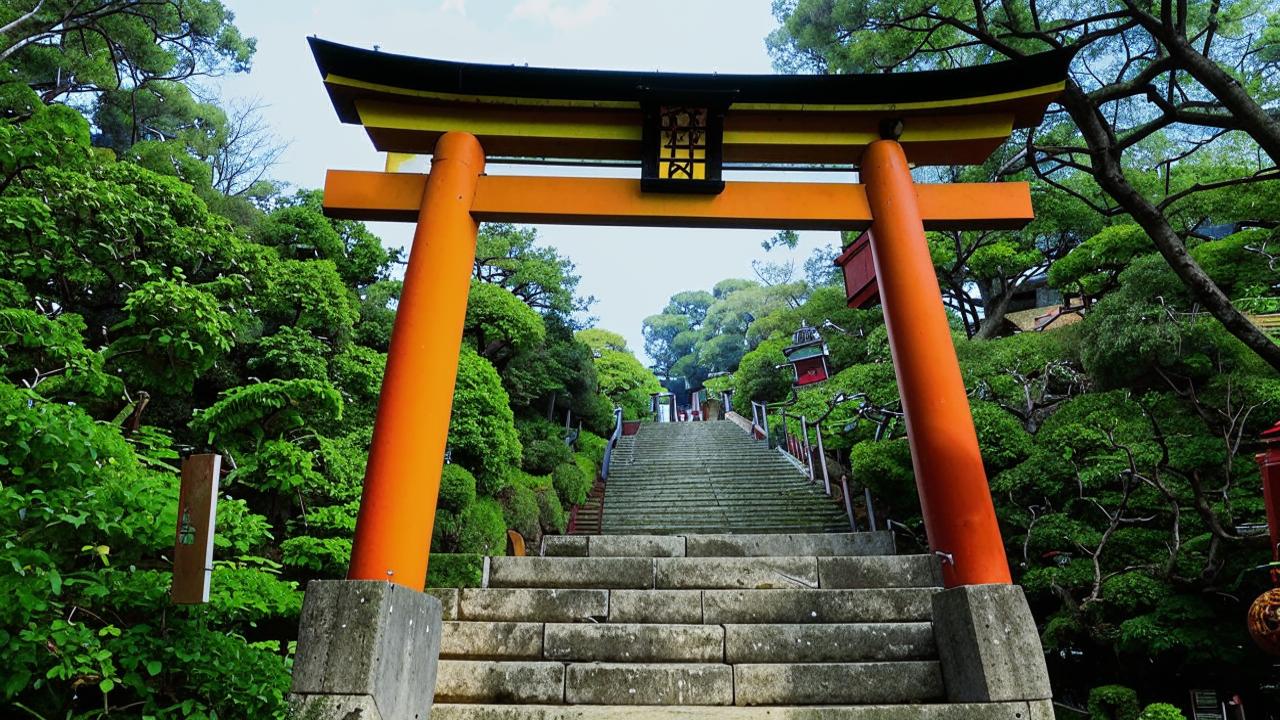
376, 196
769, 137
967, 103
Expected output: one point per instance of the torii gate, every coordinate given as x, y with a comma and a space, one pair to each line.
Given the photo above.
681, 131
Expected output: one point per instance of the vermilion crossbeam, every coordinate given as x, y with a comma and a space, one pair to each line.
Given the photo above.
381, 196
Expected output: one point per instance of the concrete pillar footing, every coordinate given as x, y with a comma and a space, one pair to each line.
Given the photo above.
366, 649
988, 645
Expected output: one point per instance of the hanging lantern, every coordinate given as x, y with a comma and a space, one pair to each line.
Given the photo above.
683, 141
1264, 621
807, 355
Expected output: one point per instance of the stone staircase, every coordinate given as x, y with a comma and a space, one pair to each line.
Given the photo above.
722, 626
710, 477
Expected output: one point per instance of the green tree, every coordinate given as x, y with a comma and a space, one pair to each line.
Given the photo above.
623, 379
1182, 79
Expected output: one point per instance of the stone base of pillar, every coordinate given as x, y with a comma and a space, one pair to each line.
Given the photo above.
988, 645
365, 647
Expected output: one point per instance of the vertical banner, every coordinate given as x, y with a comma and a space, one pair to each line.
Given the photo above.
193, 545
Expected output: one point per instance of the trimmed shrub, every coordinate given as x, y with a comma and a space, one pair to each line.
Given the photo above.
1113, 702
551, 514
588, 466
480, 529
592, 446
521, 512
571, 483
457, 487
455, 570
1161, 711
542, 456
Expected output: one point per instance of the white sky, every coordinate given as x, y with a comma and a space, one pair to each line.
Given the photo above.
631, 271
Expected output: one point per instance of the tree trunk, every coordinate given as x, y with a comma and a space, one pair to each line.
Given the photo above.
993, 319
1109, 174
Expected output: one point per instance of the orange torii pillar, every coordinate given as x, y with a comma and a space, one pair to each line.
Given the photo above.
959, 515
402, 479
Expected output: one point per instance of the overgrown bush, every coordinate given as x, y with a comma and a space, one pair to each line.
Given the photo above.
1161, 711
482, 529
571, 483
520, 511
551, 513
457, 487
592, 446
1113, 702
455, 570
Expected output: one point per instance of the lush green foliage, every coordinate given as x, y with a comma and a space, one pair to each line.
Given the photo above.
157, 300
1118, 453
1113, 702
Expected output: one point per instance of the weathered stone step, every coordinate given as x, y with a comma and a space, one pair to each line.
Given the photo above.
751, 492
817, 544
724, 607
634, 643
728, 607
1039, 710
600, 683
727, 525
648, 684
533, 605
509, 682
700, 479
731, 644
712, 572
486, 640
711, 607
827, 643
720, 526
838, 683
740, 519
753, 545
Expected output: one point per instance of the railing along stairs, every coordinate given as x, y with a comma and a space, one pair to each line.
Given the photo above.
595, 496
807, 448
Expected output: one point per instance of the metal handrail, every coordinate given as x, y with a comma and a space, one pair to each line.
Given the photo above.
613, 442
801, 446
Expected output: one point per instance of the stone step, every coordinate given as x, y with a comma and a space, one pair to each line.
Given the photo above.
705, 573
602, 683
726, 607
1037, 710
721, 524
753, 545
710, 607
817, 544
508, 682
874, 683
777, 606
657, 642
634, 643
693, 499
485, 640
693, 509
725, 527
828, 643
693, 481
533, 605
648, 684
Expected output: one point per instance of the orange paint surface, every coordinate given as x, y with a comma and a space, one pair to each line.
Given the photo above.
959, 516
356, 195
402, 479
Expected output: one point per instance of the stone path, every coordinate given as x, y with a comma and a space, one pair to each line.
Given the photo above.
722, 588
798, 627
711, 477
